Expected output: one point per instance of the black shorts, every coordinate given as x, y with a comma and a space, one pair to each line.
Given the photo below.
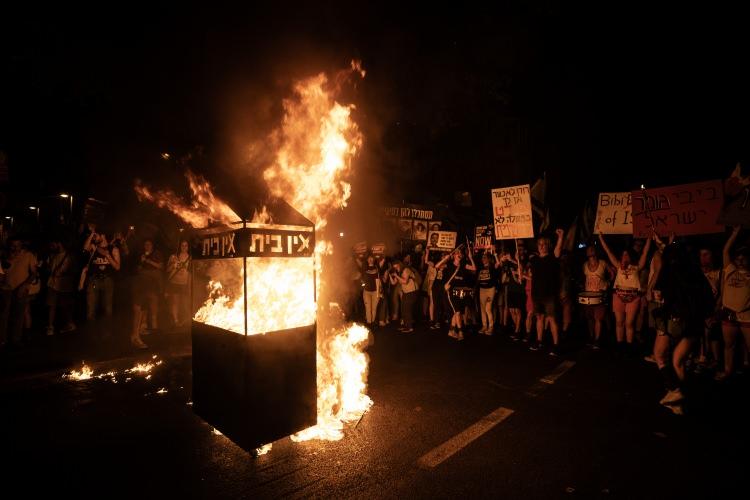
460, 298
546, 306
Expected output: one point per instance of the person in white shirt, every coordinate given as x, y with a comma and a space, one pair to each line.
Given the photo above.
626, 302
735, 299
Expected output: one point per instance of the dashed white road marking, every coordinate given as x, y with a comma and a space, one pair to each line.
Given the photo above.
440, 454
550, 379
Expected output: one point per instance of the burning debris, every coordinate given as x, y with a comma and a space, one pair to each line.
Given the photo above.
87, 373
84, 374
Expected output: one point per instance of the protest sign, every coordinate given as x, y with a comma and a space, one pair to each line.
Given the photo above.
442, 240
378, 249
419, 230
483, 237
404, 228
684, 210
360, 248
511, 207
614, 214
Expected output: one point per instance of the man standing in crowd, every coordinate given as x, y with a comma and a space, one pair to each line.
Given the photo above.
545, 288
19, 271
61, 286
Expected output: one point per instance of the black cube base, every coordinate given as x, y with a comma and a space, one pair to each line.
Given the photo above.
255, 389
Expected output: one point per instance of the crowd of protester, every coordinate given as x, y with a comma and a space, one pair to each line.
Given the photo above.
70, 278
680, 304
671, 303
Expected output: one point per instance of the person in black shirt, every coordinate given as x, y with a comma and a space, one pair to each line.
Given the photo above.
487, 281
545, 289
459, 294
371, 292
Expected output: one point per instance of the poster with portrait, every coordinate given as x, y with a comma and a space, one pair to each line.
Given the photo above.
442, 240
419, 230
404, 228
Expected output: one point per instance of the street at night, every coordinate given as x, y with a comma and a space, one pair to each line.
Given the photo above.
587, 426
322, 250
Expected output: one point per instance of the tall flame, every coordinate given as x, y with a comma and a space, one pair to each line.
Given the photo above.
204, 207
318, 142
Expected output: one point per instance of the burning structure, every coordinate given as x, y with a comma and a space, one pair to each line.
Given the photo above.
254, 327
264, 363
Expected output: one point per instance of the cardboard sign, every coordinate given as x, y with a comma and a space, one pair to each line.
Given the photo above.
511, 207
614, 213
442, 240
378, 249
483, 237
685, 209
404, 228
435, 225
360, 248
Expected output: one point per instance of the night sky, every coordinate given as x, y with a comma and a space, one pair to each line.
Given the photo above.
453, 100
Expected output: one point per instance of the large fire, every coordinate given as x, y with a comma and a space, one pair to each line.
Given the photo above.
316, 143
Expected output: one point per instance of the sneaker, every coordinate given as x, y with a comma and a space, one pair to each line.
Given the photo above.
533, 346
138, 343
68, 328
460, 335
50, 331
672, 397
554, 352
721, 376
435, 326
596, 346
650, 358
482, 330
452, 333
407, 330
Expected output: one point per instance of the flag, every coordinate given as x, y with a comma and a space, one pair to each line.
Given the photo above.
538, 204
538, 195
570, 236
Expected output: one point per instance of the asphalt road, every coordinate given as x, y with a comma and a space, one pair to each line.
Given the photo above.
583, 425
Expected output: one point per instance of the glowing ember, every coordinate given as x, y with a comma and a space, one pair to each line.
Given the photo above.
203, 208
85, 373
263, 449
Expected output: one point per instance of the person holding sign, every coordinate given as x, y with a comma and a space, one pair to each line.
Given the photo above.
456, 284
598, 276
627, 298
545, 288
735, 298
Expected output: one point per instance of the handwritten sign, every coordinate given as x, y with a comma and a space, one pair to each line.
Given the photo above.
442, 240
483, 237
511, 207
360, 248
614, 213
685, 209
378, 249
